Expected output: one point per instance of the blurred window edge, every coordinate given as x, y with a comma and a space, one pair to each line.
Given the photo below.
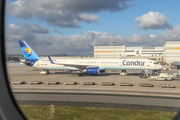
9, 109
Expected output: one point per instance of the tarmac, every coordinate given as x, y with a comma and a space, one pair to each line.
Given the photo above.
115, 96
25, 73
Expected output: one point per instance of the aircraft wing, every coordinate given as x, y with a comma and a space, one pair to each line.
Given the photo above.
70, 65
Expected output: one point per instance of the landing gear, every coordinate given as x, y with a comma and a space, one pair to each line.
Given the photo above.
81, 74
47, 71
85, 74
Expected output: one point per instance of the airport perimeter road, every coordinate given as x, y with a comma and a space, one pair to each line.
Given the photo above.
100, 100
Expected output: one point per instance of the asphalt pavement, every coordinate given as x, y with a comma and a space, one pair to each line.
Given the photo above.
100, 100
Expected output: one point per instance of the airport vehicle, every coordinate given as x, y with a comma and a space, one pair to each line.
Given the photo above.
177, 74
162, 76
155, 72
167, 86
85, 66
166, 68
146, 85
142, 74
43, 72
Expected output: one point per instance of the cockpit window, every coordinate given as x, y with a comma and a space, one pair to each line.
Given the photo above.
156, 63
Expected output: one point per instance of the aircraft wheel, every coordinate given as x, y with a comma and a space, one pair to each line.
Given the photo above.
80, 74
154, 79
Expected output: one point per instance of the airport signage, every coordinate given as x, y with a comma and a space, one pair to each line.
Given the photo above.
133, 63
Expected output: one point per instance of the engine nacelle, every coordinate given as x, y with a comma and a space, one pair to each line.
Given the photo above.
93, 70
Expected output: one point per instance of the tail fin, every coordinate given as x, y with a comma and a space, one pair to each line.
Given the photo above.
50, 60
28, 53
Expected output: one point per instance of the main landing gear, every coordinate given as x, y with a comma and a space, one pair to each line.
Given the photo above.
82, 74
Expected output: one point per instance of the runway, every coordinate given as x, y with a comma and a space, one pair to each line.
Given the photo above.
100, 100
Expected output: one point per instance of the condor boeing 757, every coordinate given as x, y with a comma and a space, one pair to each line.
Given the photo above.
85, 66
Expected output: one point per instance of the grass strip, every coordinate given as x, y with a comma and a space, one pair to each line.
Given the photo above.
51, 112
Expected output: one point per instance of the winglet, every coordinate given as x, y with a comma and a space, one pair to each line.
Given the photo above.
51, 61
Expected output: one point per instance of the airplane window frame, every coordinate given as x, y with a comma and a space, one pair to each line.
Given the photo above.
9, 109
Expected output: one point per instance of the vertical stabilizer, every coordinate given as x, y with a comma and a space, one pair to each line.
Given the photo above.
30, 56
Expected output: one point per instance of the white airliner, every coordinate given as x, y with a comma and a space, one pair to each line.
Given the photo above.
86, 66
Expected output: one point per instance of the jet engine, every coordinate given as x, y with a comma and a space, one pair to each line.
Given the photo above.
92, 70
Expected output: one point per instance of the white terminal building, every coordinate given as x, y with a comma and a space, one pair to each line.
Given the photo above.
169, 52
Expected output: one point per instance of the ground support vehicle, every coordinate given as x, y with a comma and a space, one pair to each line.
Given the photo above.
167, 86
125, 84
107, 83
145, 85
70, 83
156, 72
88, 83
177, 74
162, 76
52, 83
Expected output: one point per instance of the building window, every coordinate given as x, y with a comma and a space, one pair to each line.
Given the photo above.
152, 51
137, 52
129, 50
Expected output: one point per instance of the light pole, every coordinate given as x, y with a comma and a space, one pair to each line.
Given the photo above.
114, 48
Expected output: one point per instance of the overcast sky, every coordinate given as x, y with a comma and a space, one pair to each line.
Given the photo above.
76, 26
